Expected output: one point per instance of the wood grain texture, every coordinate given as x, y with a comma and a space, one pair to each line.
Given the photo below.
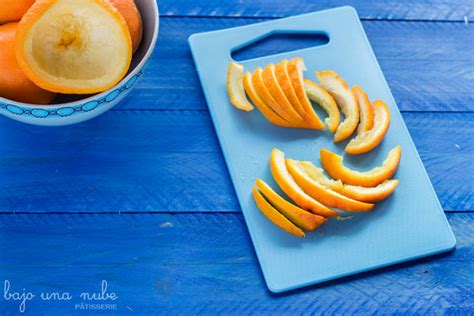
205, 264
170, 161
428, 66
385, 9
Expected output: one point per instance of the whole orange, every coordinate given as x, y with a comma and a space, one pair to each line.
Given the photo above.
13, 10
14, 84
130, 13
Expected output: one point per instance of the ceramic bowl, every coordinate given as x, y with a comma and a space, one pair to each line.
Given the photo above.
67, 109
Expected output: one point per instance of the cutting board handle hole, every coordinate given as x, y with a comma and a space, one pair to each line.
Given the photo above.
277, 43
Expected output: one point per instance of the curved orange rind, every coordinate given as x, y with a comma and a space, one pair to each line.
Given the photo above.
363, 194
290, 187
290, 78
368, 140
66, 50
274, 216
326, 101
303, 219
266, 111
235, 87
366, 121
345, 99
265, 95
323, 193
334, 166
271, 83
284, 81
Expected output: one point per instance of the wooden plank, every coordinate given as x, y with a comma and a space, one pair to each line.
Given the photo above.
205, 264
428, 66
384, 9
155, 161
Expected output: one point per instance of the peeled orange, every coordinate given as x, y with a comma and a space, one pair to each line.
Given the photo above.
74, 46
13, 10
14, 85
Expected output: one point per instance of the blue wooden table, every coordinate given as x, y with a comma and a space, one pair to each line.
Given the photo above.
134, 212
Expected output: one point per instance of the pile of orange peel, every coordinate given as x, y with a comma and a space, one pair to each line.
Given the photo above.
284, 97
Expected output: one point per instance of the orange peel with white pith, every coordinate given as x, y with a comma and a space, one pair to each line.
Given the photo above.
284, 82
235, 87
266, 111
301, 218
295, 69
323, 193
345, 99
324, 100
273, 87
363, 194
288, 85
290, 187
368, 140
274, 216
265, 95
366, 113
334, 166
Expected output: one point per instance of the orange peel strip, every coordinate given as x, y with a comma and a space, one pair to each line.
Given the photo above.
323, 193
284, 80
235, 87
267, 111
303, 219
345, 99
290, 187
295, 69
264, 94
367, 141
369, 195
334, 166
271, 83
366, 110
326, 101
274, 216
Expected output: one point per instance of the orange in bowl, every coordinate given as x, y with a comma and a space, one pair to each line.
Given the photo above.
13, 10
74, 46
14, 85
130, 13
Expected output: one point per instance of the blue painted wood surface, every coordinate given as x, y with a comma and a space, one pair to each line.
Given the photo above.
205, 263
184, 247
441, 10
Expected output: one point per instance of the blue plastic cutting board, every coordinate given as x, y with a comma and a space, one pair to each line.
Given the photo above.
408, 225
